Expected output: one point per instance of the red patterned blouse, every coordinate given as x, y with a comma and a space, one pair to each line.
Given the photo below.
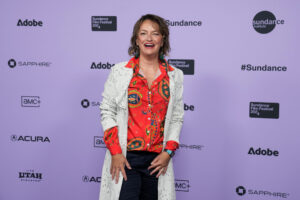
147, 110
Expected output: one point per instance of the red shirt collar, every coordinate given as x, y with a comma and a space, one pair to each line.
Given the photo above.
134, 64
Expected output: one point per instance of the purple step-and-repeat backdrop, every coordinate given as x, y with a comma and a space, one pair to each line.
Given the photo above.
240, 138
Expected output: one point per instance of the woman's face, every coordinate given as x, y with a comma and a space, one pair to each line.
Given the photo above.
149, 38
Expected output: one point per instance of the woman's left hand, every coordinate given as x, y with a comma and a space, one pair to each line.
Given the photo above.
160, 164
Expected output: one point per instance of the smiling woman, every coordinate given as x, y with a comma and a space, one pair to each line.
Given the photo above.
142, 115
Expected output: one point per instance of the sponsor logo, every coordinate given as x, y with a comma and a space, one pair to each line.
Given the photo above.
191, 146
101, 65
182, 185
91, 179
263, 152
241, 191
104, 23
187, 66
29, 138
30, 101
12, 63
264, 68
99, 142
30, 176
189, 107
85, 103
264, 110
184, 23
265, 21
27, 22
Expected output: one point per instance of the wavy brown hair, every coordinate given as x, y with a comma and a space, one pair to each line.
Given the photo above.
163, 29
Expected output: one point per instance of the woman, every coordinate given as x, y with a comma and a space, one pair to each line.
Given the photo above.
142, 115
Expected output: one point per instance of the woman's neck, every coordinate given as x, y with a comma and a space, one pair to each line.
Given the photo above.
147, 62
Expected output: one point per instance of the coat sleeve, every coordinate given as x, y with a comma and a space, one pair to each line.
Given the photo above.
108, 107
176, 119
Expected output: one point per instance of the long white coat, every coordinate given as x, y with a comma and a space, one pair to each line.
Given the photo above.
114, 112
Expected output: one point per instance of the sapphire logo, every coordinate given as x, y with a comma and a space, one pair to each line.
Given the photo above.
240, 190
187, 66
12, 63
265, 21
85, 103
264, 110
104, 23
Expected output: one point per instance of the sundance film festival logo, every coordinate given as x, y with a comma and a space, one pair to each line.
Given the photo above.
101, 65
99, 142
241, 191
263, 152
30, 101
182, 185
91, 179
30, 176
12, 63
265, 21
85, 103
28, 22
184, 23
264, 68
104, 23
264, 110
187, 66
29, 138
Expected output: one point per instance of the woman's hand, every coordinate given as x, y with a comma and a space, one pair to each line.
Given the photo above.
118, 162
160, 163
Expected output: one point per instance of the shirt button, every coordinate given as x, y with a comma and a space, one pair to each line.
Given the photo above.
149, 105
149, 118
149, 92
148, 145
148, 131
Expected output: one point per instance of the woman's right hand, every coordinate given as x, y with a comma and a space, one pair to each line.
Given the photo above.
118, 162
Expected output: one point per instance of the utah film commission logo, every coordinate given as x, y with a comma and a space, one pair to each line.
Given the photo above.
264, 22
30, 176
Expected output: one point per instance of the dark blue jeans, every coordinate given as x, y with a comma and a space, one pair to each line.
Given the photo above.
140, 185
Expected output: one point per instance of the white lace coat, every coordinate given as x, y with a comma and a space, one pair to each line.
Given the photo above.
114, 112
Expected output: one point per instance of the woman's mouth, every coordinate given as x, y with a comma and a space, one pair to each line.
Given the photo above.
149, 45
